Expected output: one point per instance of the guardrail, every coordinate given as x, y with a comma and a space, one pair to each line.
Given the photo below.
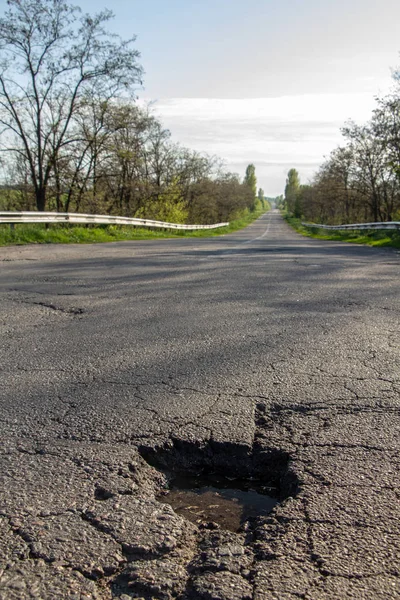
384, 225
51, 217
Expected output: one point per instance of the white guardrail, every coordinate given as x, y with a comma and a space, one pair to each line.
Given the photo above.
383, 225
51, 217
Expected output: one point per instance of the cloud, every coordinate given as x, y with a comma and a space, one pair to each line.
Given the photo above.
275, 134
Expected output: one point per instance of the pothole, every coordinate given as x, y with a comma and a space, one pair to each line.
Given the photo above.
218, 501
222, 485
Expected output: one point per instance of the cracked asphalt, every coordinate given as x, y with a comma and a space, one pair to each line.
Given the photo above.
258, 348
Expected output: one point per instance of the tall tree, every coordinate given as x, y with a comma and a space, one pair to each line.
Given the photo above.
291, 189
369, 165
386, 127
51, 57
250, 178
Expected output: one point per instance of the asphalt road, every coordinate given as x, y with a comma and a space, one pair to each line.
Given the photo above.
261, 353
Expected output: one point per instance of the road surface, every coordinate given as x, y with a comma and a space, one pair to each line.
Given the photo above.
261, 353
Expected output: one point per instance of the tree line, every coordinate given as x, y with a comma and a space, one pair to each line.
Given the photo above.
360, 180
73, 139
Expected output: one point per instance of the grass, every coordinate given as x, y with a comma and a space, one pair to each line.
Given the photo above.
76, 234
388, 238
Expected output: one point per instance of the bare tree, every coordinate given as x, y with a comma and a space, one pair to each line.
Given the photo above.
51, 56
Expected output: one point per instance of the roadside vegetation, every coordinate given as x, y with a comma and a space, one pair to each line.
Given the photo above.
74, 139
358, 183
390, 238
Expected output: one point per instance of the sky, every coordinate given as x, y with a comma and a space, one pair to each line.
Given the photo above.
268, 82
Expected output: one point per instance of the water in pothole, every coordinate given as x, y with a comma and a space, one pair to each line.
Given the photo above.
216, 499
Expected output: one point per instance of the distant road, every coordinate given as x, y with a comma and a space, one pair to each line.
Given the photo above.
260, 346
